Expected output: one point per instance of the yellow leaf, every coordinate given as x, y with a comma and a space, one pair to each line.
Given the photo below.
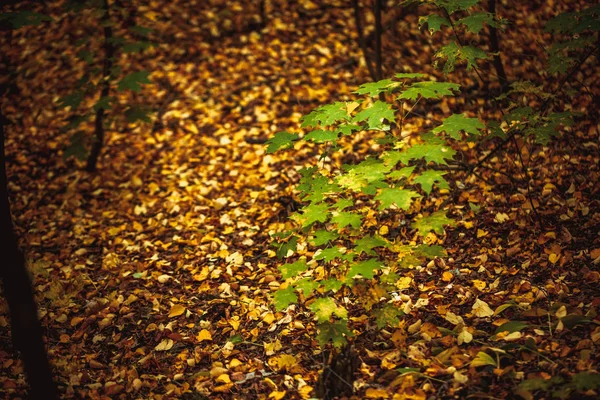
373, 393
204, 334
501, 217
404, 283
223, 378
453, 318
277, 395
553, 258
447, 276
176, 310
164, 345
481, 309
479, 285
269, 318
481, 233
464, 336
283, 362
482, 359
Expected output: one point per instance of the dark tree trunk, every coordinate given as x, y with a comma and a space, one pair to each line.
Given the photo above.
495, 48
26, 329
361, 39
98, 141
378, 33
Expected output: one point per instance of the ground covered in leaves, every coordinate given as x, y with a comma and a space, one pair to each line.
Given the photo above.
155, 275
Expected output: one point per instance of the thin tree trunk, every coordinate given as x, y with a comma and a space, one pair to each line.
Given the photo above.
378, 33
361, 39
98, 141
495, 48
26, 329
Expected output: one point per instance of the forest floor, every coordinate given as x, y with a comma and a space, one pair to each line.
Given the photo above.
155, 274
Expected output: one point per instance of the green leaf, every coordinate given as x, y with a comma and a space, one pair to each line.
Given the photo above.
375, 114
281, 140
430, 177
362, 175
343, 219
387, 316
86, 56
429, 90
430, 251
135, 113
321, 136
475, 21
72, 100
104, 103
366, 268
326, 115
284, 297
453, 53
434, 222
135, 47
307, 285
75, 121
328, 254
24, 18
402, 173
511, 326
325, 308
572, 320
374, 88
322, 237
348, 129
586, 380
430, 152
457, 123
332, 284
453, 6
76, 147
335, 332
409, 75
141, 30
133, 81
292, 270
343, 203
314, 213
400, 197
285, 248
483, 359
434, 22
367, 243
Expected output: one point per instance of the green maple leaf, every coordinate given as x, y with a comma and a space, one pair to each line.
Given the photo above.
281, 139
332, 284
284, 297
457, 123
429, 90
430, 152
374, 88
475, 21
76, 147
348, 129
328, 254
321, 136
284, 248
313, 213
343, 203
430, 251
366, 268
434, 222
387, 316
335, 332
291, 270
409, 75
325, 308
375, 114
343, 219
316, 187
367, 243
307, 285
434, 22
430, 177
326, 115
400, 197
455, 53
136, 113
72, 100
453, 6
586, 380
322, 237
402, 173
133, 81
364, 174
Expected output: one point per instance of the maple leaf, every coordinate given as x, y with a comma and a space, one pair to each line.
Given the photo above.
374, 88
366, 268
457, 123
375, 114
343, 219
322, 237
332, 284
367, 243
291, 270
402, 173
475, 21
133, 81
281, 139
453, 53
326, 115
430, 177
324, 308
409, 75
343, 203
335, 332
434, 222
328, 254
400, 197
429, 90
434, 22
313, 213
387, 316
453, 6
430, 251
430, 152
321, 136
307, 285
284, 297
